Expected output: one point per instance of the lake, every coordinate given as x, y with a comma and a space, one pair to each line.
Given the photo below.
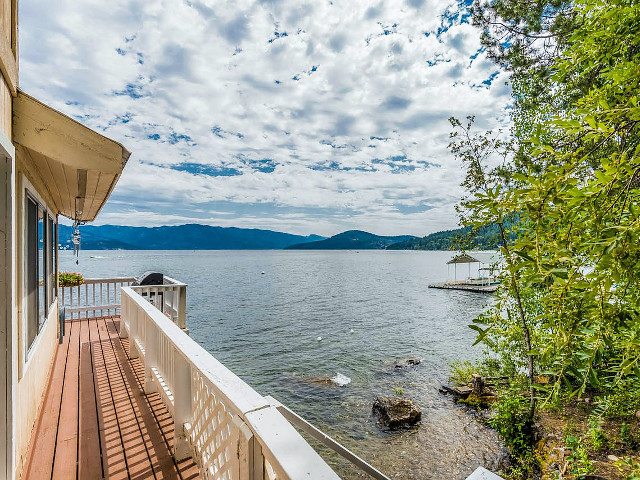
261, 313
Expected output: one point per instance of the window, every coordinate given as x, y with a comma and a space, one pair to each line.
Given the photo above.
32, 270
40, 275
42, 268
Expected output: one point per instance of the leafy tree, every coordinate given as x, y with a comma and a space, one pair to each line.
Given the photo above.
570, 170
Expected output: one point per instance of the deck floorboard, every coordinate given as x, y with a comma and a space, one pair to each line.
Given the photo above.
95, 420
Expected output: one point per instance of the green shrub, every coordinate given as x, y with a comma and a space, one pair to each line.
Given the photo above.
579, 457
461, 372
628, 438
597, 437
70, 279
511, 421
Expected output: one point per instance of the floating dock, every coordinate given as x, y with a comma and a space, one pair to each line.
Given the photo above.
469, 287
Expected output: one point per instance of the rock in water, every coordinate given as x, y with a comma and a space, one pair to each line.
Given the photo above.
396, 412
407, 362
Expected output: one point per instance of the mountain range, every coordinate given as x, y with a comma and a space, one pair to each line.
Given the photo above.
180, 237
205, 237
352, 240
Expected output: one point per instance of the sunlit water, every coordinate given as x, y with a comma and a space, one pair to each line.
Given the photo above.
369, 307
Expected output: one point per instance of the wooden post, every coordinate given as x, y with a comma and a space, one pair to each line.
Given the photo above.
182, 398
477, 382
124, 314
133, 331
246, 444
151, 338
182, 308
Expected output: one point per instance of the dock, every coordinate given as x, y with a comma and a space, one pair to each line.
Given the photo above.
468, 287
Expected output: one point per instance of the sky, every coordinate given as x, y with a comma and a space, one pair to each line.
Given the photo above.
304, 117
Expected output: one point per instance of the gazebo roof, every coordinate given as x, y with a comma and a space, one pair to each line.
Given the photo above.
487, 258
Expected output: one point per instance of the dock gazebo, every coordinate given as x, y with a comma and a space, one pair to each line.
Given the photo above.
485, 260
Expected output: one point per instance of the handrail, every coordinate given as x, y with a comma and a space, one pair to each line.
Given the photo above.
95, 297
230, 430
318, 434
98, 297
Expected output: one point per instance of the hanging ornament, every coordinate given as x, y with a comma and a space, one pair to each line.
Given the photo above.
75, 238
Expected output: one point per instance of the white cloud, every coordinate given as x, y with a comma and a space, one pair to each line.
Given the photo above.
329, 115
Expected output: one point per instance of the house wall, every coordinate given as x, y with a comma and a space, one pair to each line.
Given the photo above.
33, 364
7, 303
23, 374
31, 387
8, 62
8, 367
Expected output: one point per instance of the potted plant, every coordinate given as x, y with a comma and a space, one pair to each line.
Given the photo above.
70, 279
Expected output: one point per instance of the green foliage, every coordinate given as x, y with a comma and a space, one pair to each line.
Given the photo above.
570, 171
578, 458
597, 437
511, 420
461, 372
70, 279
621, 400
398, 391
628, 438
466, 237
630, 466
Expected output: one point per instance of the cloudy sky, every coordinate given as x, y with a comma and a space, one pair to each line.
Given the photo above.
305, 117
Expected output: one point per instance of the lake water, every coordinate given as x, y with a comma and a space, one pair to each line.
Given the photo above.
369, 307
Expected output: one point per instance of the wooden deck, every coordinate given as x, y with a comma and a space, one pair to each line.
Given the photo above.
95, 421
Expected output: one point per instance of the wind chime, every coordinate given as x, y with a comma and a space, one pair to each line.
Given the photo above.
75, 236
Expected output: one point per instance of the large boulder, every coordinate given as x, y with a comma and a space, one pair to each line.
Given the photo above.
395, 412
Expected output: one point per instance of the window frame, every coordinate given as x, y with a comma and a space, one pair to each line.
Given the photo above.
35, 314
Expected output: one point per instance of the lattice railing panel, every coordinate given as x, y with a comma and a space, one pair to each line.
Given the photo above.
214, 435
230, 430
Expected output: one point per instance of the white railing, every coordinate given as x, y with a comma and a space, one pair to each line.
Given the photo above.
231, 431
96, 297
170, 298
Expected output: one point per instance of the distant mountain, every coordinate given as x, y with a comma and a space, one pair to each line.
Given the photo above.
448, 240
352, 240
180, 237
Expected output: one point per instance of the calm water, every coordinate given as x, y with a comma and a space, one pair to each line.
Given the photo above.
369, 307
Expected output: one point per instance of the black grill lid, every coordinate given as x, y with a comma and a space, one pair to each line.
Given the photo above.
149, 278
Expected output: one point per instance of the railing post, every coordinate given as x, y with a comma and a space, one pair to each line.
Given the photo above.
151, 338
133, 332
124, 315
182, 398
182, 308
250, 455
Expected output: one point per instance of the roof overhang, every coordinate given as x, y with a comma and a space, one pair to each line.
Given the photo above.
77, 166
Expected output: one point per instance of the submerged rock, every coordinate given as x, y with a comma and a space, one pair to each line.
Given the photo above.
463, 391
407, 362
394, 412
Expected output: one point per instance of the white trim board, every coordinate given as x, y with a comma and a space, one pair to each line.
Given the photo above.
7, 378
